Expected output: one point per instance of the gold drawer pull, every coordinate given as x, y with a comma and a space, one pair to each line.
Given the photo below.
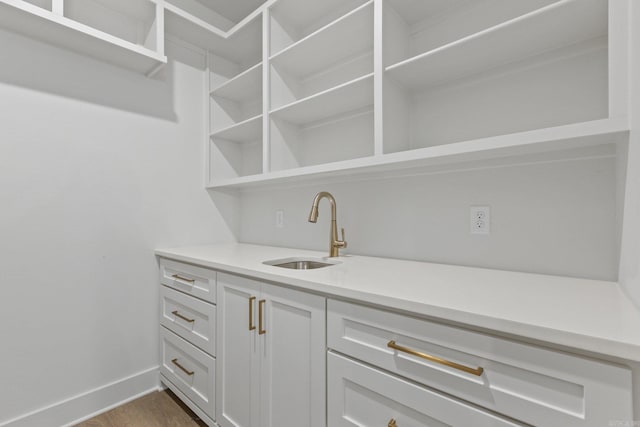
252, 327
473, 371
186, 319
182, 368
261, 330
184, 279
392, 423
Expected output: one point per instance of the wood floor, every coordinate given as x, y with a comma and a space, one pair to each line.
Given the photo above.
159, 409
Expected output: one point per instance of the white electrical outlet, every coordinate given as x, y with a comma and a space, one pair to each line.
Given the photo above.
480, 220
279, 218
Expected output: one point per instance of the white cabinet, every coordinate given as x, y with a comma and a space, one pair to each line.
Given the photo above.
188, 335
362, 396
271, 355
532, 384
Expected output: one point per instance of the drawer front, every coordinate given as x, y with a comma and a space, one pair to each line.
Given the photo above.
525, 382
193, 280
192, 319
360, 395
191, 370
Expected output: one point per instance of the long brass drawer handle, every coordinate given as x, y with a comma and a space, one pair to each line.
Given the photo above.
182, 368
261, 330
184, 279
186, 319
252, 327
392, 423
473, 371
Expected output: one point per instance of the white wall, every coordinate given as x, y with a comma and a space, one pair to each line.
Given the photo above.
98, 166
555, 218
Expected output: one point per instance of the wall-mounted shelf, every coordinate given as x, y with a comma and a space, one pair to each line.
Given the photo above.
589, 139
549, 28
340, 100
293, 20
245, 131
349, 36
55, 28
243, 86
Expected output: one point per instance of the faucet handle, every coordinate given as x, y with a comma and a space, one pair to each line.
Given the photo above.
344, 242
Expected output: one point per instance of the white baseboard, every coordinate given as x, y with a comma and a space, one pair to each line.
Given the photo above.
87, 405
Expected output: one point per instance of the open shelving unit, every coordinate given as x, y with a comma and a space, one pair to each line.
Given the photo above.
307, 88
360, 86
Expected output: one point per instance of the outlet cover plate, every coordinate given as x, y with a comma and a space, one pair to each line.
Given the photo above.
480, 220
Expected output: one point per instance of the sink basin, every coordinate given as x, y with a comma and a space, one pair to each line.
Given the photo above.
301, 263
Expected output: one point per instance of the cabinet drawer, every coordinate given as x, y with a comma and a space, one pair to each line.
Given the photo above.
360, 395
197, 281
192, 319
191, 370
525, 382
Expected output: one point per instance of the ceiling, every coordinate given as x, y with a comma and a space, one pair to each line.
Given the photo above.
233, 10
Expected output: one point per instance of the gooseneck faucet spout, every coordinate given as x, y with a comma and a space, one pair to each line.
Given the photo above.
334, 243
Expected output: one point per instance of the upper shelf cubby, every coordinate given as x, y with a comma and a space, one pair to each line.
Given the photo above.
419, 62
240, 87
293, 20
545, 68
338, 52
412, 28
122, 32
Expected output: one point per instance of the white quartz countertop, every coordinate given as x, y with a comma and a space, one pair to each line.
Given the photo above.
589, 315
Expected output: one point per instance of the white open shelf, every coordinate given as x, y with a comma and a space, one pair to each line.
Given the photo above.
40, 23
551, 27
351, 96
293, 20
349, 36
245, 131
575, 140
243, 87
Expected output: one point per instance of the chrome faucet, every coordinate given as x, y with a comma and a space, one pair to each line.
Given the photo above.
334, 243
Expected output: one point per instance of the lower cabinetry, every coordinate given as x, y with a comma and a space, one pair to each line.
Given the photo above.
188, 335
532, 384
245, 353
272, 355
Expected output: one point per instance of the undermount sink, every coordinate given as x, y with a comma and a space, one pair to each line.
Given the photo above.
301, 263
